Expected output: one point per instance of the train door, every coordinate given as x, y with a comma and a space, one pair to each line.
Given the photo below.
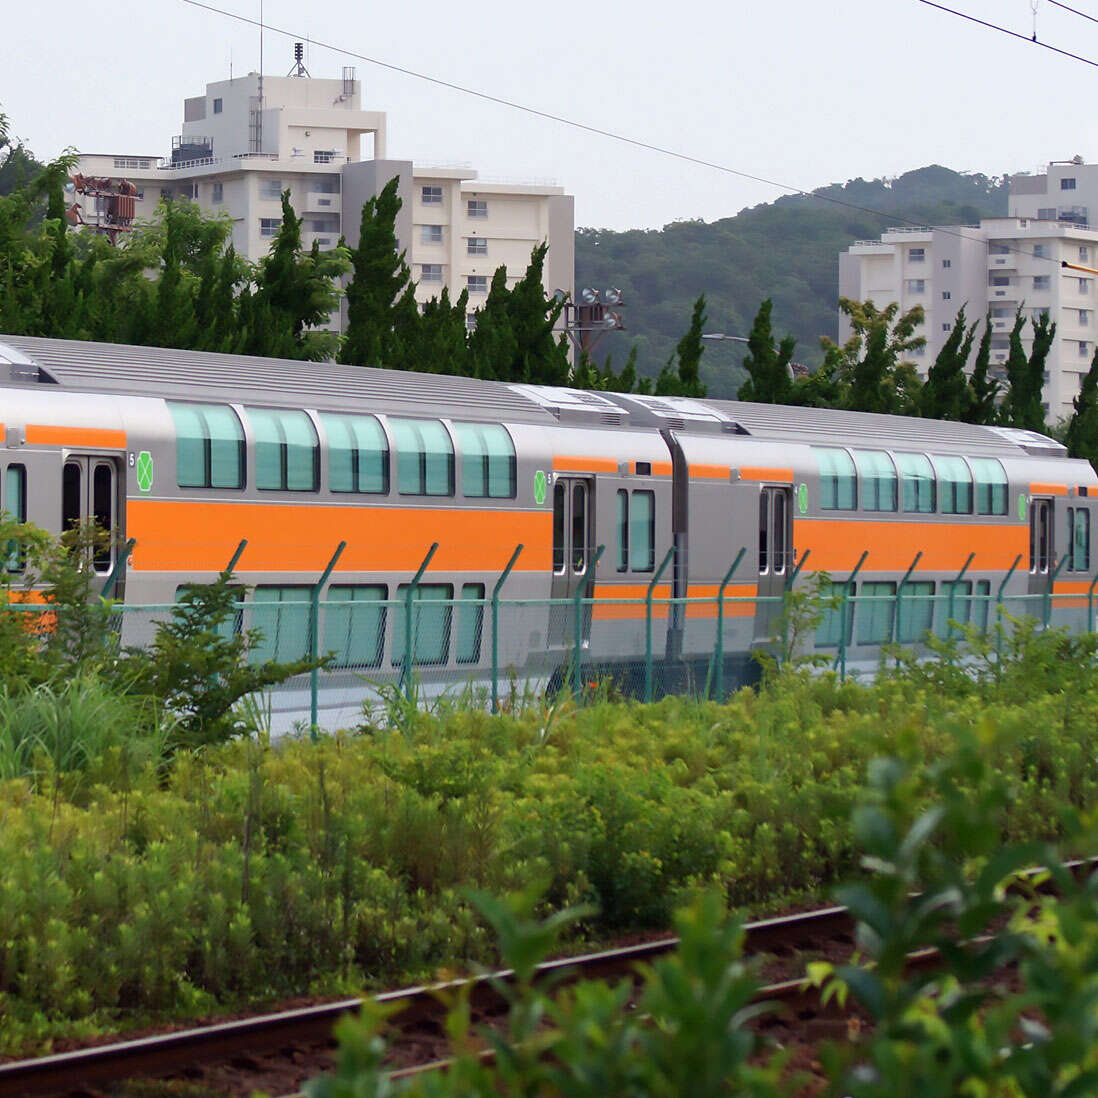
775, 555
90, 489
573, 499
1041, 544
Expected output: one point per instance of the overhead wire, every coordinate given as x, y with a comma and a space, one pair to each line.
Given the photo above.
624, 139
1074, 11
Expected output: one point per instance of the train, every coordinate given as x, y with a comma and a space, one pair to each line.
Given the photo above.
187, 455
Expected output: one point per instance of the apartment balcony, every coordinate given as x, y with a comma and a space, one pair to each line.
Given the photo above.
316, 202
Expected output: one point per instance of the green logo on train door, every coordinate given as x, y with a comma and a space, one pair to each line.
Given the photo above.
144, 470
1022, 507
802, 498
539, 486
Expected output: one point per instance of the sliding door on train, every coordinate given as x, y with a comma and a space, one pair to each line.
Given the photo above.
775, 555
573, 500
1042, 549
90, 489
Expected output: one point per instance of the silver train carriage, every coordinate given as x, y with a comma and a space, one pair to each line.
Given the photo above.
190, 454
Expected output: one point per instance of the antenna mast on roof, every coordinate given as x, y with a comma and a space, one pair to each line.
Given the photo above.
259, 113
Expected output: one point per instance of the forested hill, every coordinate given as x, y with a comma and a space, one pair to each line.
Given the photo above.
787, 250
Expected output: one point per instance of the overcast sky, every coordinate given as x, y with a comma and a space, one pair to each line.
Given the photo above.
805, 92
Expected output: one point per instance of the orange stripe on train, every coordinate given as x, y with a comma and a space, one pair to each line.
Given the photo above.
95, 438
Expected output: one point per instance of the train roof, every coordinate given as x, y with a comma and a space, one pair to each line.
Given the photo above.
81, 366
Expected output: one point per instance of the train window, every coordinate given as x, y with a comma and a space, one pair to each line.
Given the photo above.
955, 604
103, 512
830, 629
764, 531
15, 503
470, 623
838, 482
233, 624
559, 500
983, 601
487, 460
358, 454
209, 446
354, 624
281, 614
916, 611
623, 530
991, 486
425, 457
878, 480
579, 528
642, 531
779, 549
919, 485
955, 494
876, 609
287, 450
1040, 535
1079, 544
432, 609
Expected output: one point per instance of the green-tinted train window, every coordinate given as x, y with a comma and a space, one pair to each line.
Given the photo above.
287, 450
470, 623
642, 531
830, 630
281, 614
358, 454
919, 495
354, 624
991, 486
209, 446
878, 480
838, 481
916, 611
487, 460
425, 457
955, 494
623, 530
1079, 539
15, 503
876, 608
954, 604
431, 615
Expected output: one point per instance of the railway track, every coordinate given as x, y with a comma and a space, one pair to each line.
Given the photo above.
417, 1022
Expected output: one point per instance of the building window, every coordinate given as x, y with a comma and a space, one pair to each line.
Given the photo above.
946, 295
1084, 348
477, 245
1040, 251
209, 446
270, 188
918, 352
287, 450
354, 624
947, 327
998, 248
430, 272
132, 163
916, 285
425, 457
430, 234
324, 184
431, 196
269, 226
217, 106
916, 255
1084, 285
1067, 183
324, 156
470, 322
217, 192
477, 207
1000, 280
478, 284
1084, 318
1046, 213
1041, 282
487, 461
947, 263
1084, 255
358, 454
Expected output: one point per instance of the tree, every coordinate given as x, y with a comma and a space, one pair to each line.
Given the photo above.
1082, 431
681, 375
946, 393
380, 306
982, 408
1025, 374
769, 381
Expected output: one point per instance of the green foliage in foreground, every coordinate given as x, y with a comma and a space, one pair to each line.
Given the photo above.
937, 875
252, 871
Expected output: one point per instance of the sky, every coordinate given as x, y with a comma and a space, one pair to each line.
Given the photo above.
800, 92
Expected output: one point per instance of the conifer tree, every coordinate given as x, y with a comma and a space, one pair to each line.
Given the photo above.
946, 393
541, 355
493, 347
1025, 374
440, 343
682, 374
982, 407
1082, 431
769, 380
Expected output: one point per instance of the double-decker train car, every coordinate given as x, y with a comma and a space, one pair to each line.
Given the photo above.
189, 454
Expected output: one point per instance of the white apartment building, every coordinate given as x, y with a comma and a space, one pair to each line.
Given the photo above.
248, 139
999, 265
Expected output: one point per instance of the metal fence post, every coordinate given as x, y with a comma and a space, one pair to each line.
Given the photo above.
648, 623
581, 588
235, 559
409, 646
119, 567
1052, 578
999, 608
843, 619
314, 639
1090, 605
896, 631
718, 647
495, 625
790, 579
952, 592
